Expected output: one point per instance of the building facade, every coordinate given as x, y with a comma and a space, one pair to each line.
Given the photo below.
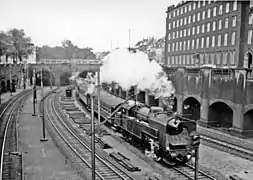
208, 57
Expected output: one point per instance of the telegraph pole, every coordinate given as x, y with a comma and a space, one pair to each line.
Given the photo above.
34, 92
43, 113
92, 139
98, 90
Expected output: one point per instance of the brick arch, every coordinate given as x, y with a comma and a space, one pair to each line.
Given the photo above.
248, 119
191, 107
197, 97
230, 104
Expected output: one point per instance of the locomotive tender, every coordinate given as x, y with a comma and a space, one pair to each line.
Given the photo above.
168, 136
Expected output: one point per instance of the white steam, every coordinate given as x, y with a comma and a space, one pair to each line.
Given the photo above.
134, 69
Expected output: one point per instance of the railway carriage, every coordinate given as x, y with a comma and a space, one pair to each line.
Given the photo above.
168, 136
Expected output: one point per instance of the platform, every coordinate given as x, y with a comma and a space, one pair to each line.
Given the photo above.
42, 160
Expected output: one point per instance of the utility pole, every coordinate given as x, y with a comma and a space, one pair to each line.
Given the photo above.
43, 113
92, 139
129, 38
34, 92
98, 90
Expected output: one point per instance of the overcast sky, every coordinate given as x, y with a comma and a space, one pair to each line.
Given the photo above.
94, 23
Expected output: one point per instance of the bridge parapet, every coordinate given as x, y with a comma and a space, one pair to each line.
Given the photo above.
67, 61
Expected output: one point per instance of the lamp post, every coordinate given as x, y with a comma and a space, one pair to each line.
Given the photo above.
34, 92
43, 113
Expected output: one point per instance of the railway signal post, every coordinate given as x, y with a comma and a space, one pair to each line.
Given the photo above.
92, 140
43, 113
196, 143
34, 92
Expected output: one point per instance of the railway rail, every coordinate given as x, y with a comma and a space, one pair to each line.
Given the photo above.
81, 150
11, 165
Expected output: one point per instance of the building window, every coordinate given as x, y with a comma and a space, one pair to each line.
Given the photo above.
199, 4
169, 26
193, 18
168, 47
185, 20
203, 28
173, 46
194, 6
226, 23
180, 60
173, 24
220, 9
233, 38
201, 60
249, 36
251, 3
235, 5
197, 29
181, 22
193, 30
219, 41
181, 33
214, 11
214, 25
213, 41
177, 34
202, 42
197, 43
169, 36
227, 7
190, 7
251, 18
225, 54
169, 15
178, 12
232, 62
204, 3
207, 42
188, 59
184, 59
184, 45
189, 31
234, 21
176, 46
208, 13
173, 35
203, 14
182, 11
218, 54
188, 44
180, 46
189, 20
174, 13
226, 39
208, 27
185, 9
212, 58
193, 41
206, 58
184, 32
220, 24
172, 60
198, 16
177, 22
176, 59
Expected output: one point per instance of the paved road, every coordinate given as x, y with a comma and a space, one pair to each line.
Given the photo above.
42, 160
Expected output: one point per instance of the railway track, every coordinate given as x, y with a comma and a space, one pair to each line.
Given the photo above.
11, 165
81, 150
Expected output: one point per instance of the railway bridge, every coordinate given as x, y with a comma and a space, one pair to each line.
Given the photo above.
59, 68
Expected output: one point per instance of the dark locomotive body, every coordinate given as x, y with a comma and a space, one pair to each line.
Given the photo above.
166, 134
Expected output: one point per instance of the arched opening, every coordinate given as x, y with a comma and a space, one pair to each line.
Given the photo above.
169, 104
191, 108
45, 78
220, 115
83, 74
248, 120
152, 101
64, 79
8, 88
3, 86
13, 85
248, 60
141, 97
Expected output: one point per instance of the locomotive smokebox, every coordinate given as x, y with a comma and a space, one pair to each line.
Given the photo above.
68, 93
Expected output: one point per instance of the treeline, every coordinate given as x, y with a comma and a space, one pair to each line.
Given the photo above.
67, 51
15, 45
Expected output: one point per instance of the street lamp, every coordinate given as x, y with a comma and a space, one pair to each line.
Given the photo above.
34, 92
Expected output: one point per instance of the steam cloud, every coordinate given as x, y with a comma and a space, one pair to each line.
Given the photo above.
134, 69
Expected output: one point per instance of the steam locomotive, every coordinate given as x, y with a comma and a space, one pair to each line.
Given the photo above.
168, 136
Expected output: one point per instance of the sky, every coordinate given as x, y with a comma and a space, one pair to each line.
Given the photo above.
100, 24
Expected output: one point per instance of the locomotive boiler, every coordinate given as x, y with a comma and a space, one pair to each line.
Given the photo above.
165, 135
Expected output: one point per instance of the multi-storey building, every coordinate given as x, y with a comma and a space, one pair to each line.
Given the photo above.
217, 33
208, 32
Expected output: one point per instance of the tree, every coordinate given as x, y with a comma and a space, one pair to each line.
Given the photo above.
69, 48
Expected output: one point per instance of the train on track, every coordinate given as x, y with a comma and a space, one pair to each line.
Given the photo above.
169, 136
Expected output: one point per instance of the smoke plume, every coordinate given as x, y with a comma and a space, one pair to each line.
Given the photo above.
134, 69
